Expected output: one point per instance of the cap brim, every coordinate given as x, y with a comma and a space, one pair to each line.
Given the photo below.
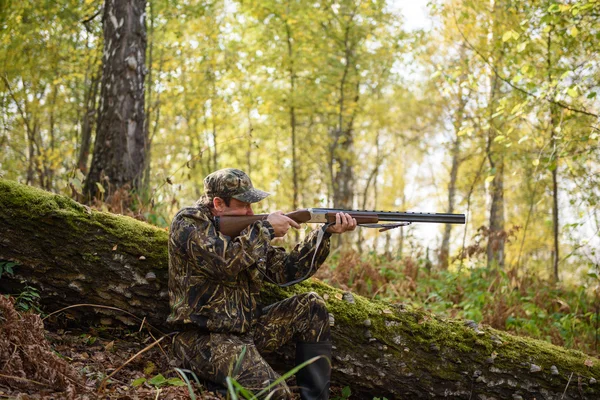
251, 196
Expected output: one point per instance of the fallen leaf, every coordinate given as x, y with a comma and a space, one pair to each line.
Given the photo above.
589, 363
115, 248
386, 311
325, 296
109, 346
142, 258
338, 296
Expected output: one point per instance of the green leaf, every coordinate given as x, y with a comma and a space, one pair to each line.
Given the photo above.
536, 162
176, 382
286, 375
490, 178
554, 8
591, 95
574, 31
100, 187
230, 390
187, 382
521, 46
138, 382
507, 36
572, 91
346, 392
524, 138
158, 380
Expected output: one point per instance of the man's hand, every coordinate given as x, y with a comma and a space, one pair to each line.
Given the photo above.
281, 223
343, 223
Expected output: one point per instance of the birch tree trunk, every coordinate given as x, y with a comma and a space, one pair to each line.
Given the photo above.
456, 160
554, 162
495, 155
120, 145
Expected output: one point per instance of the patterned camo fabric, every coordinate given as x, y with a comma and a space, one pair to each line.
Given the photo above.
214, 356
231, 182
214, 283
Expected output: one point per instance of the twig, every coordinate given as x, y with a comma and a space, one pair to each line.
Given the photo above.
106, 307
18, 378
145, 349
93, 16
566, 387
159, 346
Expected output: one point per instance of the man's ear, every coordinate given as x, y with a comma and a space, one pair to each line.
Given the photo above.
219, 204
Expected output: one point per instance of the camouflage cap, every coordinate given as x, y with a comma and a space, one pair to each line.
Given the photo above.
231, 182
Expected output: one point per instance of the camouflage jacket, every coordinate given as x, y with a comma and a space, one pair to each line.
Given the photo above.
214, 280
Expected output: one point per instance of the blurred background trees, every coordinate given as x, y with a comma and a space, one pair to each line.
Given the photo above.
492, 111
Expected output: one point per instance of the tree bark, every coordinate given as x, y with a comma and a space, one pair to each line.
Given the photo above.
554, 162
87, 124
75, 255
456, 159
120, 145
495, 155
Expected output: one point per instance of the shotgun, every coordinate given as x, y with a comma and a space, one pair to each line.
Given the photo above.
232, 225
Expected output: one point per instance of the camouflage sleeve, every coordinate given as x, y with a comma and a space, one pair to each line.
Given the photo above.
220, 257
283, 267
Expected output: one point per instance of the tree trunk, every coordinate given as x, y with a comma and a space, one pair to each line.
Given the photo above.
456, 160
120, 145
495, 154
554, 162
445, 249
75, 255
87, 124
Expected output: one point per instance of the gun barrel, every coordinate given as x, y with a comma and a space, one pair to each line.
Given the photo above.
423, 217
392, 216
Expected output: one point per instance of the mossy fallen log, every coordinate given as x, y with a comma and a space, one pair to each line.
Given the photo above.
76, 255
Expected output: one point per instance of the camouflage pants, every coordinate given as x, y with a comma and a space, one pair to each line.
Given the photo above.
214, 356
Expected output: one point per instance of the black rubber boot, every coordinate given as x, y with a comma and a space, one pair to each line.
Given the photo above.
313, 379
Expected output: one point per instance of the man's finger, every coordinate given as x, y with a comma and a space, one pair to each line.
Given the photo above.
338, 219
346, 221
293, 223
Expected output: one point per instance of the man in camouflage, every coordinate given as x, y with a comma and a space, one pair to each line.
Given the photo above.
214, 285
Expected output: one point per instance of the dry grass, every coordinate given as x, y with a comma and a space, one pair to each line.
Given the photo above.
27, 361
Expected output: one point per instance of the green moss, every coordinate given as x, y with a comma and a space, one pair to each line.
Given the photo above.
89, 257
134, 237
420, 330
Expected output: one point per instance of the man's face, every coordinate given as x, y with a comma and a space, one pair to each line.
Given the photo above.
235, 207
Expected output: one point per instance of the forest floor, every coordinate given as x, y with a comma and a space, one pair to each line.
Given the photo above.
50, 362
54, 363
